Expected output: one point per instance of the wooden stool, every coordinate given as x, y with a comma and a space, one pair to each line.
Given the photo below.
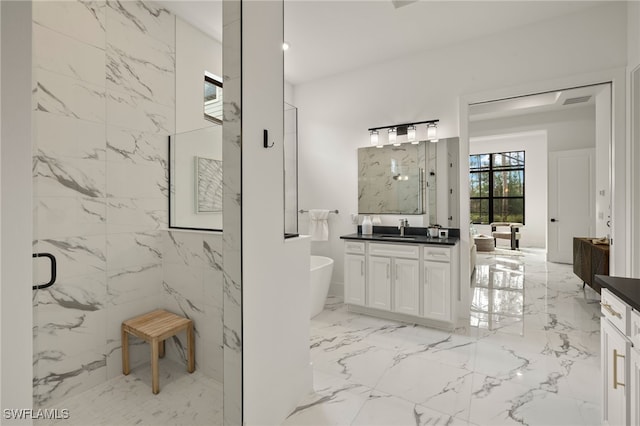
154, 327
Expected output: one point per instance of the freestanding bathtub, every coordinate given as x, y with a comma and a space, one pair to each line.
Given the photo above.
321, 269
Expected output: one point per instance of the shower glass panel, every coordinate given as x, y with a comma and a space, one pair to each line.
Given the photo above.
290, 171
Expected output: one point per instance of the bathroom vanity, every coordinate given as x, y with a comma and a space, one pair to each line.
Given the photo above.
410, 278
620, 350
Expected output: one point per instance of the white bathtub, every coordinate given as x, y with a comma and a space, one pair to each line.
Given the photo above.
321, 269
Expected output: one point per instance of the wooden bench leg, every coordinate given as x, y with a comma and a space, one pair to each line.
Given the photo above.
191, 349
125, 351
155, 349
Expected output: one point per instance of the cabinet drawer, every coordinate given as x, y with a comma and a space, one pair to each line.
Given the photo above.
395, 250
437, 254
354, 247
615, 310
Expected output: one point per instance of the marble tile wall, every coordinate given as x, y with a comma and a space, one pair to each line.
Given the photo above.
192, 286
103, 107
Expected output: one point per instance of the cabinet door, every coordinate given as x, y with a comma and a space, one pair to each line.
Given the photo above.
437, 290
354, 279
634, 387
379, 282
406, 286
614, 358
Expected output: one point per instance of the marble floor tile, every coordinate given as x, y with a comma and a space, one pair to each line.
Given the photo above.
333, 402
184, 399
387, 410
530, 354
430, 383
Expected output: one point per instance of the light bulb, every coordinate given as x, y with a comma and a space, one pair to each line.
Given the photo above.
392, 135
432, 131
373, 135
411, 133
285, 46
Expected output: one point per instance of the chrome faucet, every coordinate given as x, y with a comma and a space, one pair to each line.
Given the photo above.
403, 224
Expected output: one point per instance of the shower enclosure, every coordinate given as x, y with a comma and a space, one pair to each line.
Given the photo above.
290, 171
104, 109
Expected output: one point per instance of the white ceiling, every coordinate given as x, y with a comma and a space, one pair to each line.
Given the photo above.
205, 15
330, 36
541, 102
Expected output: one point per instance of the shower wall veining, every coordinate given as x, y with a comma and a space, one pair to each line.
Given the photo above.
104, 104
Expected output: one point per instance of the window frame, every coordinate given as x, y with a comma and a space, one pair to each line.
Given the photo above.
491, 169
218, 83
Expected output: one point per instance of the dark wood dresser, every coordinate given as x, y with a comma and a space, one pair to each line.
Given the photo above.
589, 260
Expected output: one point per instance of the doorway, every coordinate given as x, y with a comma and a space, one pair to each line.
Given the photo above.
575, 125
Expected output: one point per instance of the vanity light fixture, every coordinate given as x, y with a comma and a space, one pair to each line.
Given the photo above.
373, 135
432, 132
410, 130
411, 134
392, 136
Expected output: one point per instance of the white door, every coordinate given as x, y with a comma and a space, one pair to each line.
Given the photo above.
437, 290
614, 352
406, 286
571, 201
354, 279
379, 283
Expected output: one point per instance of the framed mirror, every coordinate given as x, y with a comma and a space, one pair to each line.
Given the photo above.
411, 179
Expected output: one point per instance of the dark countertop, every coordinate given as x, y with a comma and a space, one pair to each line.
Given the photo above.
415, 239
627, 289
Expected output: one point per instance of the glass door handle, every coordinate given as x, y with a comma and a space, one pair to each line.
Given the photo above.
54, 270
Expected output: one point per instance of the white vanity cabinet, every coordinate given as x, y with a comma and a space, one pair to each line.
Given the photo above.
437, 283
354, 273
407, 286
379, 282
404, 281
615, 351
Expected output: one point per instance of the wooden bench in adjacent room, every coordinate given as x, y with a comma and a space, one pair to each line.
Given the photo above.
154, 327
589, 260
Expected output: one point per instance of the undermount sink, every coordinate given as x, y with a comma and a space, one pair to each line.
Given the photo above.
401, 237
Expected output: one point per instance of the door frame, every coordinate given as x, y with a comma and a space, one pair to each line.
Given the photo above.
620, 146
634, 175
